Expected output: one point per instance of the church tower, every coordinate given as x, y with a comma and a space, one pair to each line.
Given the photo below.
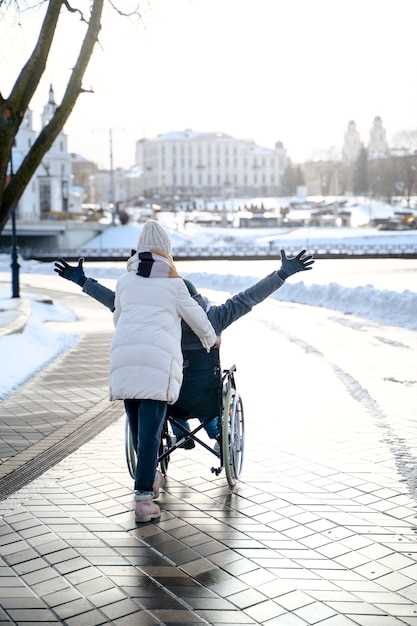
49, 108
378, 145
352, 143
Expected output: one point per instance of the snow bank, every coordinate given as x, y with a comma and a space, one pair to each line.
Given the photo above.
379, 305
126, 238
32, 350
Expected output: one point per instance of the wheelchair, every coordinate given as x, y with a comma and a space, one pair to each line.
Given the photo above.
231, 441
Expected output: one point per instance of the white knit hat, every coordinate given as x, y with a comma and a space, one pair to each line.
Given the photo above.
154, 237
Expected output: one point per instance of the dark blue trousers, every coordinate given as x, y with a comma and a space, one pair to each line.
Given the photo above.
146, 420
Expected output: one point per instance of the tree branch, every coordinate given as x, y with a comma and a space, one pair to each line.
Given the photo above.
50, 132
123, 13
30, 75
73, 10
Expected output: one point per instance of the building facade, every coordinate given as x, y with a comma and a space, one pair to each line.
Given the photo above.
123, 186
189, 164
378, 145
49, 190
54, 174
28, 205
352, 143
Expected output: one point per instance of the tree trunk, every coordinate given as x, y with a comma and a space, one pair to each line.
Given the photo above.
11, 194
13, 108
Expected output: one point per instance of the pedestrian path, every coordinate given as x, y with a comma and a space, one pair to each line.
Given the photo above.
288, 552
66, 395
321, 530
64, 399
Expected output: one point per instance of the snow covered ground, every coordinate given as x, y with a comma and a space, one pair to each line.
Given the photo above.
192, 236
29, 351
382, 290
251, 240
126, 237
385, 306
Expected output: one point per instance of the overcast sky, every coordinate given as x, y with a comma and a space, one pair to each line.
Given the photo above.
295, 70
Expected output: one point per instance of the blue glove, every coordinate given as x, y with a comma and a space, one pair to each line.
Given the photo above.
75, 274
299, 263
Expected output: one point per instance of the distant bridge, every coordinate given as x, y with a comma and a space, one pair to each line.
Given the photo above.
238, 253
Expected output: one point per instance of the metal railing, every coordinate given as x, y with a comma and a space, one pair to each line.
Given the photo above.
241, 252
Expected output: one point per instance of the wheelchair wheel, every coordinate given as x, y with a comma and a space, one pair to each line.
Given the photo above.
233, 434
166, 443
131, 453
130, 450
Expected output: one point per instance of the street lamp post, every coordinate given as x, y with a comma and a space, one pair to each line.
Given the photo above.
14, 253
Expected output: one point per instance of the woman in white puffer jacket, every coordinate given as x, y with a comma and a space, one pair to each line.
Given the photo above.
146, 358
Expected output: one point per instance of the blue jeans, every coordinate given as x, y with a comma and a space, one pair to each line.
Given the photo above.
212, 428
146, 420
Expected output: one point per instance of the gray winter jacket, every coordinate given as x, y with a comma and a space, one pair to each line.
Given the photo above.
220, 316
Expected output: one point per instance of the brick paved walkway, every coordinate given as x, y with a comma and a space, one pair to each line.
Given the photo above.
64, 396
272, 554
322, 529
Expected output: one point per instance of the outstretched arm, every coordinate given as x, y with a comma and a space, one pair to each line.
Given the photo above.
222, 316
195, 317
90, 286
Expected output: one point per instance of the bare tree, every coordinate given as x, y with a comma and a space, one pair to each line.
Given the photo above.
14, 106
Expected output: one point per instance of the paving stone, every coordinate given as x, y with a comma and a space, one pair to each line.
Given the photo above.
300, 541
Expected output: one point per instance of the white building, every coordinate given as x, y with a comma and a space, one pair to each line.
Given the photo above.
54, 174
188, 163
378, 145
28, 205
352, 143
50, 188
125, 186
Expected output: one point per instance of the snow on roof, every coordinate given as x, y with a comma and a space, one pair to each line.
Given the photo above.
191, 135
181, 135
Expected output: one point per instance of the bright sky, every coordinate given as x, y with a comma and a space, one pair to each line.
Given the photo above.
295, 70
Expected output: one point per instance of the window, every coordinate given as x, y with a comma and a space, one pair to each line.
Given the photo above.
61, 146
209, 179
218, 179
255, 179
272, 179
199, 179
190, 180
245, 179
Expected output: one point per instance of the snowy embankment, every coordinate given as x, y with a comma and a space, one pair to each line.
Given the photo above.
388, 306
379, 305
30, 351
215, 240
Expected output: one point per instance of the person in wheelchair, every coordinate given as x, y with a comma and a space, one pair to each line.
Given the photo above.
201, 387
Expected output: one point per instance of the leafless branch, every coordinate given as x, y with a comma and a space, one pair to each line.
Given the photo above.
133, 13
49, 133
82, 90
74, 10
30, 75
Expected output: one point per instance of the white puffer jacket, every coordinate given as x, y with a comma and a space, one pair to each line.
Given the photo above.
146, 357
